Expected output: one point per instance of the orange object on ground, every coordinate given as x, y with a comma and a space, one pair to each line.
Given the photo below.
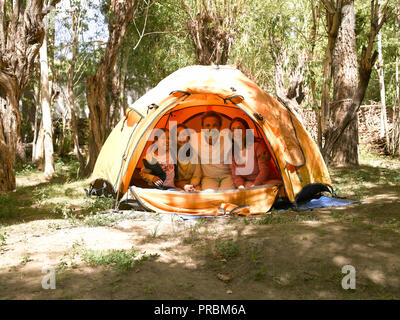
183, 97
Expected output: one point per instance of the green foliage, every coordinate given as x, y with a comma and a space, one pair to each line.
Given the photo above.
118, 259
26, 258
226, 249
25, 168
97, 205
3, 238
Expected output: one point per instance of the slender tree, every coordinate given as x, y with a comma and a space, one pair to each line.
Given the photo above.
47, 125
76, 29
384, 130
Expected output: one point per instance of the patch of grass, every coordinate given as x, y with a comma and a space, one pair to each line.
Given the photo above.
105, 219
185, 285
3, 238
119, 259
283, 218
8, 206
55, 226
68, 169
97, 205
25, 259
25, 169
192, 236
260, 274
255, 256
226, 249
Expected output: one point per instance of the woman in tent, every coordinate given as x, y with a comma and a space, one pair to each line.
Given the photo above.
188, 175
250, 159
158, 167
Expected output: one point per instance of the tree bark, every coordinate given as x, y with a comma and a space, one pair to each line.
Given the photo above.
76, 28
21, 36
332, 23
99, 123
345, 77
379, 66
9, 126
46, 109
348, 96
211, 28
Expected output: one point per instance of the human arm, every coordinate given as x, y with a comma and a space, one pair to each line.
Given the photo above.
237, 180
263, 157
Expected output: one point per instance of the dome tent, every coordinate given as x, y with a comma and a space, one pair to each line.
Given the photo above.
184, 96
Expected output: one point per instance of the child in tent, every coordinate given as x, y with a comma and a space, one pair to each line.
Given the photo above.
158, 167
188, 175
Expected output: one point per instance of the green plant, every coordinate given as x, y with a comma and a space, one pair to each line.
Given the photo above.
25, 168
260, 274
3, 238
105, 219
97, 204
118, 259
25, 259
226, 249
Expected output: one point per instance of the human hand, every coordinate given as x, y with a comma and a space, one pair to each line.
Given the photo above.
157, 181
188, 188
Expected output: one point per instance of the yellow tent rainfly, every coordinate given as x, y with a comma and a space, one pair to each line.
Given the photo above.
183, 97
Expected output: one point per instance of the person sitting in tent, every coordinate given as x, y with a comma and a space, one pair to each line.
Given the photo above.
158, 166
213, 159
250, 159
189, 172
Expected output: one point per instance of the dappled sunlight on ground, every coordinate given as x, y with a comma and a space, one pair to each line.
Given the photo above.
281, 255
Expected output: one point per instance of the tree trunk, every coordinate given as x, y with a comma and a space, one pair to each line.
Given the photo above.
46, 111
70, 87
9, 126
115, 105
345, 77
395, 141
38, 155
379, 66
349, 91
99, 115
333, 23
21, 36
211, 28
95, 92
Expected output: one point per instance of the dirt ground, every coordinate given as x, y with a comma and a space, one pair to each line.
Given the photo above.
136, 255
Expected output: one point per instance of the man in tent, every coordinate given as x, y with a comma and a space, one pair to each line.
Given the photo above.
214, 154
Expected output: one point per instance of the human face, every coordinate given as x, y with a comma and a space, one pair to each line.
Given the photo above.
238, 131
163, 142
181, 142
212, 124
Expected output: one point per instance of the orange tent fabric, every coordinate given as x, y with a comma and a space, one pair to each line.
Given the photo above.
183, 97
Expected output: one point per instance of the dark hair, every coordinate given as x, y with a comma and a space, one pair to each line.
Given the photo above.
235, 147
212, 114
242, 121
181, 125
